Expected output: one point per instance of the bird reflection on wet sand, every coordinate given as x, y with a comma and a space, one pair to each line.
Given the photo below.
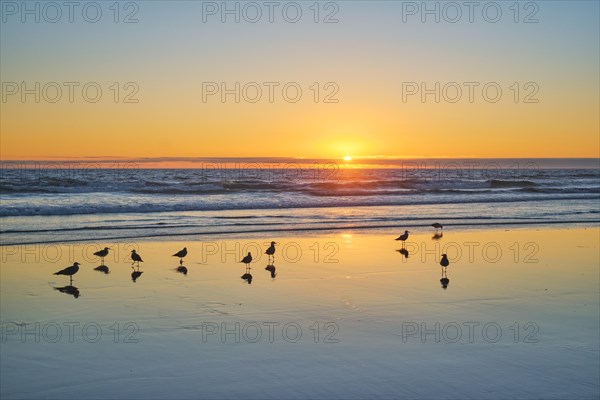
102, 268
444, 281
136, 274
182, 270
404, 252
72, 290
247, 276
271, 269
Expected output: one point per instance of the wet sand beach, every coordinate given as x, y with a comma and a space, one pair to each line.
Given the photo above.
346, 315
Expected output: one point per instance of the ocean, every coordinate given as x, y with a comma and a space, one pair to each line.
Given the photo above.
341, 310
46, 203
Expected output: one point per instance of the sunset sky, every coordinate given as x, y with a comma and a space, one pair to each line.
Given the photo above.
367, 55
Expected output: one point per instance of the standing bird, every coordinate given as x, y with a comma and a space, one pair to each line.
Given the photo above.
444, 261
70, 271
403, 237
438, 226
247, 276
102, 254
181, 254
136, 258
271, 250
248, 259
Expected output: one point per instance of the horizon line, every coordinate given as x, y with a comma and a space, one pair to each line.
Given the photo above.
356, 162
284, 158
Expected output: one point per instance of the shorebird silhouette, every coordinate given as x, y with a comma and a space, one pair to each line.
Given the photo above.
271, 251
248, 259
438, 226
136, 258
403, 237
102, 254
181, 254
70, 271
444, 261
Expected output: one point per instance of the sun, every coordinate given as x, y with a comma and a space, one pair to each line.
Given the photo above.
347, 158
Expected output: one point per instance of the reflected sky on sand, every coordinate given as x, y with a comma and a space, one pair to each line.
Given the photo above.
340, 315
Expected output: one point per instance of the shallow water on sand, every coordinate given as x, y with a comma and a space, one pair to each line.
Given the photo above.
346, 315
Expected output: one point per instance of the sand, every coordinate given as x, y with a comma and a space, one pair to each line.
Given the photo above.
346, 316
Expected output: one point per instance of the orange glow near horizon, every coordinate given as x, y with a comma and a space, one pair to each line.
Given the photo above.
353, 100
38, 131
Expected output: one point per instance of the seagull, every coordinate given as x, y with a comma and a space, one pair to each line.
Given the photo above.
102, 254
438, 226
136, 258
271, 250
70, 271
181, 254
444, 261
248, 259
403, 237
